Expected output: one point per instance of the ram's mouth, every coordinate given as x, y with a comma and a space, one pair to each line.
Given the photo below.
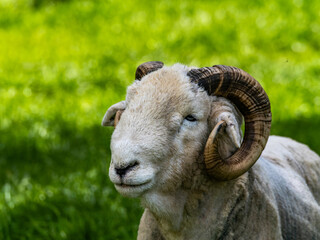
133, 190
133, 185
122, 185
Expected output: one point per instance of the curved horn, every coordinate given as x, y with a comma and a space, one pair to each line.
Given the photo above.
252, 101
146, 68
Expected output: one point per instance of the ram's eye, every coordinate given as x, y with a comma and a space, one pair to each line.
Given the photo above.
190, 118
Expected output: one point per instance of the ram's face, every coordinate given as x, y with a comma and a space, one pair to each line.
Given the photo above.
165, 124
161, 132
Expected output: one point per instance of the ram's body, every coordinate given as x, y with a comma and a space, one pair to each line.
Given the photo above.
278, 198
157, 155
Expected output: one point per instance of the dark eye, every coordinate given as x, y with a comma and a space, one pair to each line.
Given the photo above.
190, 118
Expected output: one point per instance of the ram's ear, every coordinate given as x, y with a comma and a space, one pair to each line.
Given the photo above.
110, 118
230, 139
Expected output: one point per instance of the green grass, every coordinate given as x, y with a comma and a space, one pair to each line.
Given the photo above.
63, 63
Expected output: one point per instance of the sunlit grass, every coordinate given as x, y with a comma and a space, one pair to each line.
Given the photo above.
63, 63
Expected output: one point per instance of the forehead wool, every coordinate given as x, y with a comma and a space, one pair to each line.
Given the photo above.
167, 90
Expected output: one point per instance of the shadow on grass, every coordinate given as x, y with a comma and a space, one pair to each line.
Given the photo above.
62, 217
304, 130
41, 3
59, 188
72, 150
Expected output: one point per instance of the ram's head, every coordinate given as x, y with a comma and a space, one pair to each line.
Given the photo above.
176, 116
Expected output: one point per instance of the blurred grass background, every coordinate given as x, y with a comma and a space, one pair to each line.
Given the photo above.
63, 63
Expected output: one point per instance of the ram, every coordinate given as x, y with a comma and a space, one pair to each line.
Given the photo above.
177, 145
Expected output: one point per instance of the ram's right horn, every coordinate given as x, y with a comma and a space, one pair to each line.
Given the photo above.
250, 98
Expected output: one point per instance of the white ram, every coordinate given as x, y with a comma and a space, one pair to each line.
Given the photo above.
177, 146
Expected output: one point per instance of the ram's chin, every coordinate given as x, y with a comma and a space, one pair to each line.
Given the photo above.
133, 191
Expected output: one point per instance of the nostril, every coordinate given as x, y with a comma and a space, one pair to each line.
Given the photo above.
121, 171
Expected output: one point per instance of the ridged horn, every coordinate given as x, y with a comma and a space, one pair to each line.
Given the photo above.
250, 98
147, 67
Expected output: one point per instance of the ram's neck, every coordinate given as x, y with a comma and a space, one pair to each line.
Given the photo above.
169, 207
177, 211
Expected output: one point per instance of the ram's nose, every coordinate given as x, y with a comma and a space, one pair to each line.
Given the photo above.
123, 170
